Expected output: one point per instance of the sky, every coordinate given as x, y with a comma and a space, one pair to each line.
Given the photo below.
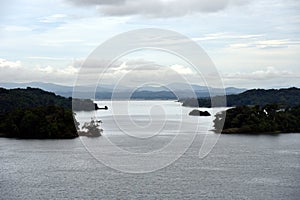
253, 44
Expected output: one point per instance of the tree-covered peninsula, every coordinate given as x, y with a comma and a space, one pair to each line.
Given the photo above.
45, 122
271, 118
36, 114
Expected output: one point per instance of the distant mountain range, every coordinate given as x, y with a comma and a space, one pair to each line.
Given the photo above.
170, 91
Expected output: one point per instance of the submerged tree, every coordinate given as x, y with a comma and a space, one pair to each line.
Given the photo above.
92, 127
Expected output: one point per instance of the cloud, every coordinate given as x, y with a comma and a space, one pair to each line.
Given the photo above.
15, 71
52, 71
53, 18
96, 2
136, 72
181, 69
266, 74
157, 8
248, 40
266, 44
9, 64
222, 36
132, 72
47, 58
14, 28
269, 77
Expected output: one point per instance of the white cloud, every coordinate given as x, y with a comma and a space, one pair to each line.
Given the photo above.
265, 74
133, 72
14, 28
53, 18
222, 36
269, 77
15, 71
96, 2
157, 8
47, 58
181, 69
263, 44
9, 64
69, 70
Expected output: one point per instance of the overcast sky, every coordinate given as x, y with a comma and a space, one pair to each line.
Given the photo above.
253, 43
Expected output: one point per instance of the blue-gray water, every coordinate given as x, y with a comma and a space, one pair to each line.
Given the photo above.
238, 167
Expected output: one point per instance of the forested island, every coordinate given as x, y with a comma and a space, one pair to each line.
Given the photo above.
257, 119
36, 114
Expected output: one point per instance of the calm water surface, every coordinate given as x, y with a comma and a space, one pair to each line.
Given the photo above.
239, 166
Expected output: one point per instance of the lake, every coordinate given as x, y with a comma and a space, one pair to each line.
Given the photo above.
236, 167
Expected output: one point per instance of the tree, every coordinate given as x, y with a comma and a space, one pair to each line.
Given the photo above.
92, 128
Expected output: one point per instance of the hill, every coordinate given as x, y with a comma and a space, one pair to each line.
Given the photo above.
283, 97
34, 97
29, 98
34, 113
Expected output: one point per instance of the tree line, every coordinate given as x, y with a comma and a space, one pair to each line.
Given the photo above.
283, 97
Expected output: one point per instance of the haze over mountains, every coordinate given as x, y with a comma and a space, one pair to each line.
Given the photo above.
170, 91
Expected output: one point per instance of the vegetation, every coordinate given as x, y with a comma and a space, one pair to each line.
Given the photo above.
50, 122
261, 97
270, 118
92, 129
35, 97
29, 98
34, 113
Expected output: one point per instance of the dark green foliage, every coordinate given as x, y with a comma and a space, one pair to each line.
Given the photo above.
29, 98
33, 97
259, 119
50, 122
283, 97
34, 113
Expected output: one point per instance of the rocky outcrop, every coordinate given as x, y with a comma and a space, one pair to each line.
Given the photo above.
196, 112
